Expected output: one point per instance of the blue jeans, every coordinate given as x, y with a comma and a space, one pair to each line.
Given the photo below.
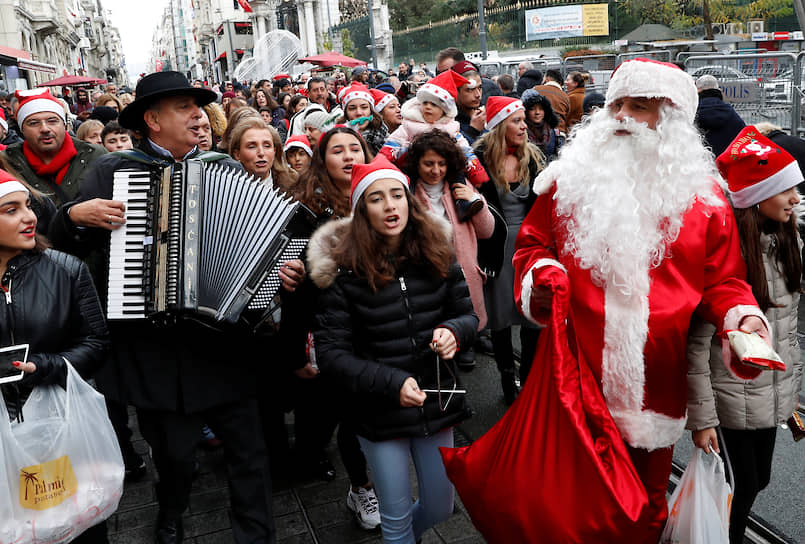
401, 520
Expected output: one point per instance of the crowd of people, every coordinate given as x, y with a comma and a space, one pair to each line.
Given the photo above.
447, 208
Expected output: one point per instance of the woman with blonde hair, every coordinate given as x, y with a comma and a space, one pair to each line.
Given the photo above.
258, 147
217, 123
233, 119
90, 131
110, 101
511, 162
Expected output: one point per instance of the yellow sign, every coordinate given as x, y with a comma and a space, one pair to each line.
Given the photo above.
47, 485
595, 19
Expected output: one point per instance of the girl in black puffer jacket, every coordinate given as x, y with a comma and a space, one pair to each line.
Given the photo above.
48, 302
394, 311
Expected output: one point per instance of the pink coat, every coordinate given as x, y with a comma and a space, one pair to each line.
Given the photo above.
465, 243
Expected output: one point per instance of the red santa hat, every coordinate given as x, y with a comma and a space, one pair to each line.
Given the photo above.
354, 92
647, 78
9, 184
756, 168
442, 91
462, 68
3, 119
381, 99
37, 101
363, 175
299, 141
498, 108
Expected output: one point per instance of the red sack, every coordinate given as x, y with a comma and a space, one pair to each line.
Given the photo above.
554, 468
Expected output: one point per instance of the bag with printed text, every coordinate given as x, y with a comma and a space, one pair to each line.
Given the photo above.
61, 471
699, 509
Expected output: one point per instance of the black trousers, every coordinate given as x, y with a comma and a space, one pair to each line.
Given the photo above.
317, 413
750, 452
504, 351
173, 438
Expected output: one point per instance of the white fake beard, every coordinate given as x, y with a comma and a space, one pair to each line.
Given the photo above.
623, 197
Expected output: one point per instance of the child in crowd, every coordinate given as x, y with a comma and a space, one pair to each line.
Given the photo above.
116, 138
435, 108
298, 153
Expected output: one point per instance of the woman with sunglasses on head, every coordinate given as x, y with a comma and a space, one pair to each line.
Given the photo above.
394, 312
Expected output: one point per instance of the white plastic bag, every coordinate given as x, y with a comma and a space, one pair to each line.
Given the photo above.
61, 470
699, 509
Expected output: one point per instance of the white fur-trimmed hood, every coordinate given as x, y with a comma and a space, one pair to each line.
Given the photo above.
322, 267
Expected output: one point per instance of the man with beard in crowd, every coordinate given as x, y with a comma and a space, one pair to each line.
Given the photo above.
632, 222
83, 106
48, 158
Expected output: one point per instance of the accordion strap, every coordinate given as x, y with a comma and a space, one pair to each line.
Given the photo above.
137, 155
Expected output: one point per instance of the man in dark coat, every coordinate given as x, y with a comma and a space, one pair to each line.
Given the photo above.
183, 374
716, 119
49, 159
528, 80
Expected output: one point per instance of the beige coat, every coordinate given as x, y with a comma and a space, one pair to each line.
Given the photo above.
716, 397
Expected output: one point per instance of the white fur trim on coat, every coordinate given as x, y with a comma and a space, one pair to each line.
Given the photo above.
647, 429
528, 286
623, 366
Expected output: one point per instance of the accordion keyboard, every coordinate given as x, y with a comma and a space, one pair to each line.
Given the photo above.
126, 297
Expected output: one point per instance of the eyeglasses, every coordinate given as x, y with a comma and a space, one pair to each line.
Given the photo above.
51, 122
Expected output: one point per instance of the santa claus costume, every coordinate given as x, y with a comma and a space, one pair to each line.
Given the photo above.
634, 217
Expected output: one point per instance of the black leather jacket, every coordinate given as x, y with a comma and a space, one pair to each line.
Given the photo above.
50, 303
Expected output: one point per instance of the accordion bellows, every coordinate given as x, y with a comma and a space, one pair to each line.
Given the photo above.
203, 238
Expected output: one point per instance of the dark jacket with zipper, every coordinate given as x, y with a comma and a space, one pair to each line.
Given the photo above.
50, 303
76, 172
185, 367
371, 342
491, 250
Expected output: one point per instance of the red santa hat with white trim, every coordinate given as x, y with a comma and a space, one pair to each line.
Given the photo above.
37, 101
356, 91
442, 91
381, 99
9, 184
756, 168
647, 78
364, 175
498, 108
299, 141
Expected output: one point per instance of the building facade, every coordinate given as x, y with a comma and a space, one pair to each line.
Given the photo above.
45, 39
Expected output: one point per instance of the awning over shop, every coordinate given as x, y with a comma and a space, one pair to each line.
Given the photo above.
223, 55
17, 57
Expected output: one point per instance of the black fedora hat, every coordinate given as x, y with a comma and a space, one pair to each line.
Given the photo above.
161, 85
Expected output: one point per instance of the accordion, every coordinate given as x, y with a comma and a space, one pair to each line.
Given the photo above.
200, 238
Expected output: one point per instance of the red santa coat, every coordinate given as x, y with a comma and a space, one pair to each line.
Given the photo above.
636, 345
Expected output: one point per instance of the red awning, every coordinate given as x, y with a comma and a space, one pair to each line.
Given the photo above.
221, 56
18, 57
11, 52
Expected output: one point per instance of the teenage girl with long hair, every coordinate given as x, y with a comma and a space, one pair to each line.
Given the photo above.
762, 179
325, 189
394, 311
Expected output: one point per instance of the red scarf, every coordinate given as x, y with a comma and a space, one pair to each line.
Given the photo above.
59, 164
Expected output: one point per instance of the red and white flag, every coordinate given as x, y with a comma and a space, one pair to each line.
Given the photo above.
245, 5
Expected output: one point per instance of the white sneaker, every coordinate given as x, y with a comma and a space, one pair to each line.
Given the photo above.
364, 505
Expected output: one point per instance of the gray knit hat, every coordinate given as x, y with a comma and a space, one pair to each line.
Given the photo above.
316, 119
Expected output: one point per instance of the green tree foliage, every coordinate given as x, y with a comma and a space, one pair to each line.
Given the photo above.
682, 14
408, 14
